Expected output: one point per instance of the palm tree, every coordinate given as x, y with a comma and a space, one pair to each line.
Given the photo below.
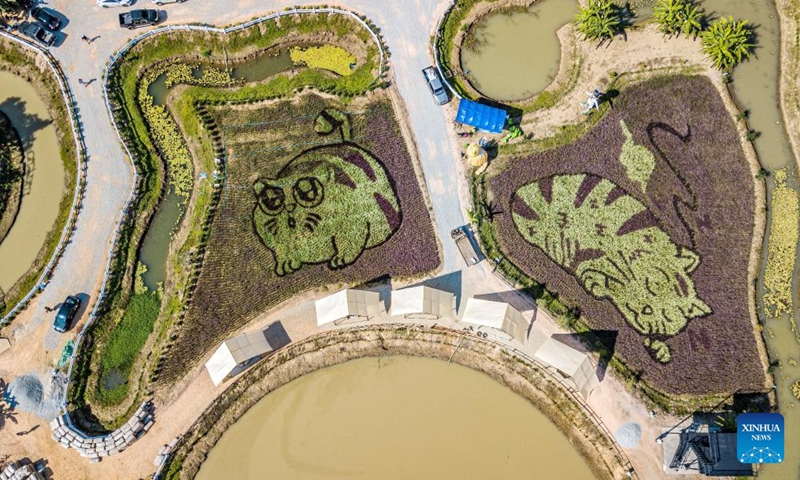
678, 16
727, 42
9, 6
600, 20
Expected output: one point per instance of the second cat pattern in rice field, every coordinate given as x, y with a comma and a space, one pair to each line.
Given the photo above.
613, 245
327, 205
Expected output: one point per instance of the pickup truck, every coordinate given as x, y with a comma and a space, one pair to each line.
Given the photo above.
37, 32
464, 245
138, 18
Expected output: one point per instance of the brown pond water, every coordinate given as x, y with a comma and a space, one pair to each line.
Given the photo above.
44, 182
393, 418
518, 51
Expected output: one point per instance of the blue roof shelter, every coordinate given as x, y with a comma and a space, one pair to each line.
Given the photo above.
482, 117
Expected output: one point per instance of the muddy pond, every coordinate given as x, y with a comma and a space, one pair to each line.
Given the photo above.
513, 55
44, 178
394, 418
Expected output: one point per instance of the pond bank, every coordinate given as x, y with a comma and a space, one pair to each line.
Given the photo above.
331, 348
375, 411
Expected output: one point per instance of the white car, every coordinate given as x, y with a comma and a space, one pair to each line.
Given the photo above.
114, 3
162, 2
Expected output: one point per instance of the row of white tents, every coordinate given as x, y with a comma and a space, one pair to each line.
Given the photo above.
236, 354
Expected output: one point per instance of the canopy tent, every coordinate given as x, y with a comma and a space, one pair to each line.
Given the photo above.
482, 117
498, 315
235, 352
348, 303
422, 301
576, 366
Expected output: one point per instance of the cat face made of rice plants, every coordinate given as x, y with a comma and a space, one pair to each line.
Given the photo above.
327, 205
612, 244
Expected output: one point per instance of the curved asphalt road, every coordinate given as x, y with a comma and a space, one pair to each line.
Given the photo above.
406, 26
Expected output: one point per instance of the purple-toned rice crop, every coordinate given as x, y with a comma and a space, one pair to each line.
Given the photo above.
701, 194
273, 153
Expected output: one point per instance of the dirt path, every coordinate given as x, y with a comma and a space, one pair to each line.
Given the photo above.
644, 50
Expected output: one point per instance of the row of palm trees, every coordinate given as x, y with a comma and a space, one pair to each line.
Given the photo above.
725, 41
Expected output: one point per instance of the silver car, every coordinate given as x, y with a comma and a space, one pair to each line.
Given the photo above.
114, 3
436, 85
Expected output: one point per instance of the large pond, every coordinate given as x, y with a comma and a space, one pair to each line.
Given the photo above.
44, 180
394, 418
513, 55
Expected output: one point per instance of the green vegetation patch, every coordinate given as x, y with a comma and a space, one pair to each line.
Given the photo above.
327, 57
609, 241
124, 344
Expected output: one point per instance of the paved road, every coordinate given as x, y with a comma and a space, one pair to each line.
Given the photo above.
407, 27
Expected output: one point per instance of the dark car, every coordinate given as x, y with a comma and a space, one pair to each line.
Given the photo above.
66, 314
138, 18
436, 85
46, 18
37, 32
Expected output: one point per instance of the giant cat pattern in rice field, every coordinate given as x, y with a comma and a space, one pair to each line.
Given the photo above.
327, 205
613, 245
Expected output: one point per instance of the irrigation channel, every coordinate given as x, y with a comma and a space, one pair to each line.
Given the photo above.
755, 89
44, 178
393, 418
496, 56
155, 246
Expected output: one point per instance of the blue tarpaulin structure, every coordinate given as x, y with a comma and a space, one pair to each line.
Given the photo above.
482, 117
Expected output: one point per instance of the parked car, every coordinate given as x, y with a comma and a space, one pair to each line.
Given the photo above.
114, 3
138, 18
46, 18
436, 85
37, 32
162, 2
66, 314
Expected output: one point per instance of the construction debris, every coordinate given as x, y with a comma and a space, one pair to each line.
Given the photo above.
21, 471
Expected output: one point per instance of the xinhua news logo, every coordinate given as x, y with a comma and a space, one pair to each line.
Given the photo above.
759, 438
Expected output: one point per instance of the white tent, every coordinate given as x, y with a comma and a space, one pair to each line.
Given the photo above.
234, 352
576, 366
422, 301
498, 315
346, 304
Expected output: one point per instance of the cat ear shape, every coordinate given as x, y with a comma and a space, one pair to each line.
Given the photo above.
689, 260
698, 309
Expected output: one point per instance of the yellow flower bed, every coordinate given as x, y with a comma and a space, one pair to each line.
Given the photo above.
328, 57
782, 248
